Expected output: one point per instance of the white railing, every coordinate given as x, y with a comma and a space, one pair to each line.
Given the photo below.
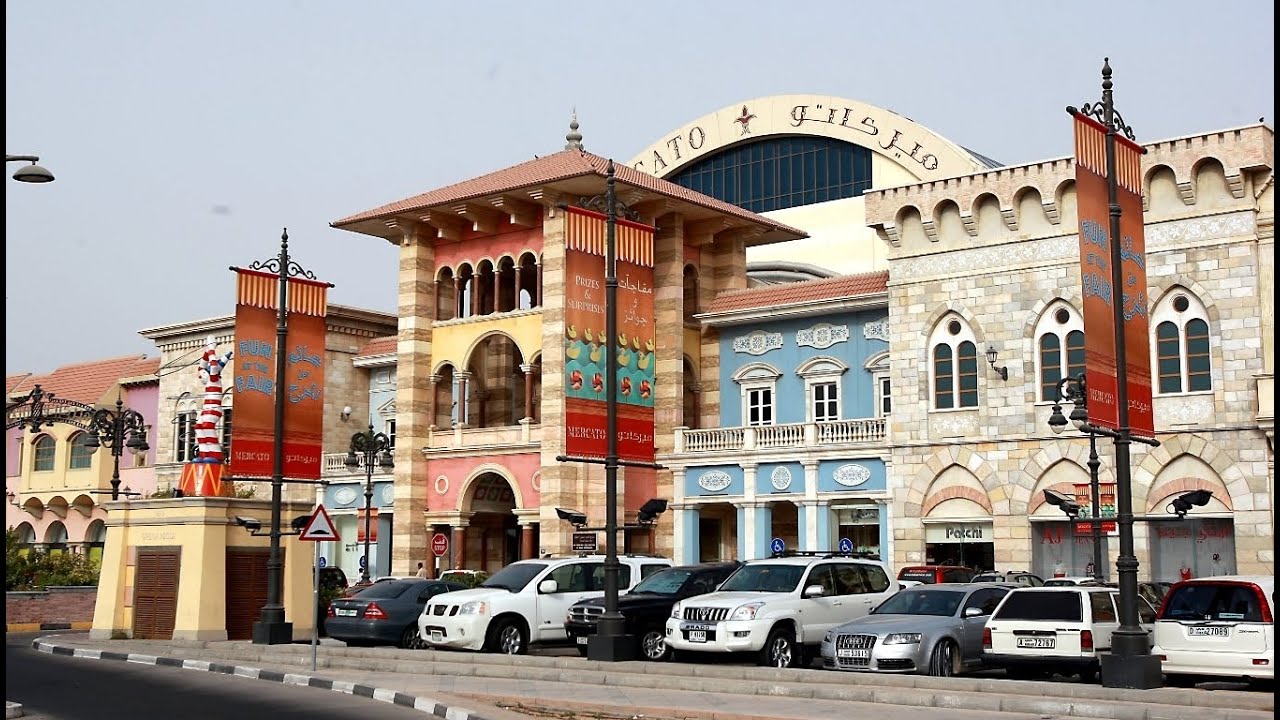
838, 432
336, 464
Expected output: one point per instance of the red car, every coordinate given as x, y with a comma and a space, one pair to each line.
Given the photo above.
931, 574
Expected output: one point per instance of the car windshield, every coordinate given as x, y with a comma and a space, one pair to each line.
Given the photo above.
514, 577
1060, 605
765, 577
922, 602
988, 577
385, 590
665, 582
1211, 601
1059, 582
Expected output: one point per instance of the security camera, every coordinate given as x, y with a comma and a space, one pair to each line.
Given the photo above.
649, 512
299, 522
248, 523
1065, 503
573, 517
1182, 504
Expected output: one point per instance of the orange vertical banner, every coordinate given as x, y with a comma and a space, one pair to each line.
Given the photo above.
1096, 275
634, 359
253, 433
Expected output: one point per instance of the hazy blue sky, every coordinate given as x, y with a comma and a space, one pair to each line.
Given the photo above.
185, 135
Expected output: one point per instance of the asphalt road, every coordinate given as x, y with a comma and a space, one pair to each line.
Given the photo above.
52, 687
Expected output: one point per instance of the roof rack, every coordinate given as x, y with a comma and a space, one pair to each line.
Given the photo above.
825, 554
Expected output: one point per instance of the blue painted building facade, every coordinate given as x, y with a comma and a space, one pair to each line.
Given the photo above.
797, 454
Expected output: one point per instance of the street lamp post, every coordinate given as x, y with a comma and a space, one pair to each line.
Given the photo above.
1073, 389
368, 447
1130, 663
118, 429
271, 628
32, 173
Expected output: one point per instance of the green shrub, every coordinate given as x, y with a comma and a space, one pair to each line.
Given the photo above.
29, 569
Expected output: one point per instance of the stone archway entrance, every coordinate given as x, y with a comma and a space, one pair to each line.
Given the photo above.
493, 534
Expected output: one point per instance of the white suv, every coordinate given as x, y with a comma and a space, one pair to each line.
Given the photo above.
1218, 626
780, 608
1039, 630
524, 603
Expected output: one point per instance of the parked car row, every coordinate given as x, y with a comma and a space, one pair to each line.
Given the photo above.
845, 609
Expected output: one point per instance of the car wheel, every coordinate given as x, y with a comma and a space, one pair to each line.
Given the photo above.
1089, 674
942, 661
653, 646
780, 650
508, 637
410, 640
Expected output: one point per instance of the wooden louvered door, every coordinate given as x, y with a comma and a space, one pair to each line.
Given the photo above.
155, 593
246, 589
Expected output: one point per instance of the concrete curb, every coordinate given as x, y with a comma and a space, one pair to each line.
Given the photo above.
421, 704
13, 710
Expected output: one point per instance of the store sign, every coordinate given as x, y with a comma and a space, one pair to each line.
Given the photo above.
958, 533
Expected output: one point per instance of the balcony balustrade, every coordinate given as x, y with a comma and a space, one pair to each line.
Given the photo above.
790, 435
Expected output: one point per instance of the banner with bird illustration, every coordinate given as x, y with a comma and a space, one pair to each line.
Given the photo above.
587, 346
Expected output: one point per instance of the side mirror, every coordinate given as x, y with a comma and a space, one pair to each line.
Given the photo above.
814, 591
546, 587
972, 611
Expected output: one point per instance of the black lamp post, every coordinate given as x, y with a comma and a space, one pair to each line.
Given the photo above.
1073, 389
271, 628
117, 429
368, 447
1130, 663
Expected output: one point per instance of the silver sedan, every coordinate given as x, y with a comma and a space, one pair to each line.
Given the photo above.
929, 629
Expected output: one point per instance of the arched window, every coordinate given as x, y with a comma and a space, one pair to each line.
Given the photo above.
1182, 362
46, 446
81, 456
1059, 347
953, 369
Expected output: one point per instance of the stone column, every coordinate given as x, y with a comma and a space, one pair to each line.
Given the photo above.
459, 292
536, 295
462, 400
763, 535
528, 391
417, 312
431, 403
458, 545
687, 535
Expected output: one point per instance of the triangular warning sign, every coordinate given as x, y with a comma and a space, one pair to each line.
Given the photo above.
319, 527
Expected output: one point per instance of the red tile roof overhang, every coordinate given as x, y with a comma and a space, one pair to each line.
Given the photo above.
811, 297
512, 194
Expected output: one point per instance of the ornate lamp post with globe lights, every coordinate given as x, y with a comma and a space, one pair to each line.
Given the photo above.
367, 448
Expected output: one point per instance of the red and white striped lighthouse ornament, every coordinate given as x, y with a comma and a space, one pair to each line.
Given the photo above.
203, 475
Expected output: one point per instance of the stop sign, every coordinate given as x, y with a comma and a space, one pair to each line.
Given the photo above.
439, 544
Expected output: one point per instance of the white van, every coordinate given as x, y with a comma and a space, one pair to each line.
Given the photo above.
1218, 626
1040, 630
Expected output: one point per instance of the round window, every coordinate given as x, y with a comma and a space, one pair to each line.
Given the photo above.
1062, 316
953, 327
1181, 303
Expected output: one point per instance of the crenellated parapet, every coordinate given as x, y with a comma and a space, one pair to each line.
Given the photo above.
1038, 199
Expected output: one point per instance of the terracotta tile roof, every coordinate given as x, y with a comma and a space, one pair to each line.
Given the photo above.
845, 286
378, 346
19, 381
144, 373
552, 168
87, 382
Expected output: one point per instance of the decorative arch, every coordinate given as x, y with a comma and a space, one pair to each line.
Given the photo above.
1074, 450
33, 507
55, 533
469, 355
1238, 492
756, 372
1183, 344
26, 533
58, 506
1058, 348
1062, 476
921, 486
83, 504
1185, 473
822, 365
926, 155
96, 532
953, 363
468, 485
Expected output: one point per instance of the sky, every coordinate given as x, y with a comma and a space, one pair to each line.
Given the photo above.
186, 136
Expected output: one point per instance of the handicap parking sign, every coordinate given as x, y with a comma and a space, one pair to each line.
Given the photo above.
364, 560
777, 545
323, 561
846, 545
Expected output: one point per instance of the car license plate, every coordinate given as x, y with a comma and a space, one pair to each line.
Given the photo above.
1037, 642
1209, 631
582, 639
437, 636
848, 653
345, 613
698, 636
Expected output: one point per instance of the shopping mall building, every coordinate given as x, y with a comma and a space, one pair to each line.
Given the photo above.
860, 326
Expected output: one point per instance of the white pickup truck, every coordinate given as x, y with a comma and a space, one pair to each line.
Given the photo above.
524, 603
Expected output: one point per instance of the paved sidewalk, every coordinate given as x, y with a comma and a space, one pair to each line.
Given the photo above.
495, 687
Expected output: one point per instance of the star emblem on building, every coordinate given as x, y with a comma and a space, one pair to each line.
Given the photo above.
745, 120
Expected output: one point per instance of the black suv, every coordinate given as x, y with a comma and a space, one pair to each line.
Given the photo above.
648, 605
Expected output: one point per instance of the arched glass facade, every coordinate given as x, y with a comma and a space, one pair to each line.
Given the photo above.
781, 172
